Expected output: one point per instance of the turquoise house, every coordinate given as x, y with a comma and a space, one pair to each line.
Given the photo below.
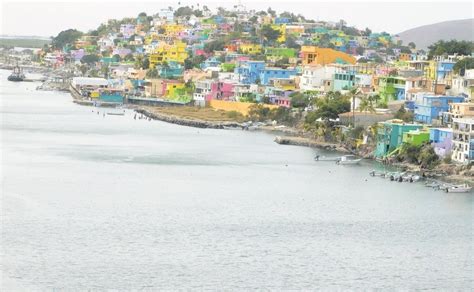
343, 81
390, 136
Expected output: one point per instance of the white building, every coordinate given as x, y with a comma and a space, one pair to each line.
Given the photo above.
202, 89
463, 85
463, 140
313, 76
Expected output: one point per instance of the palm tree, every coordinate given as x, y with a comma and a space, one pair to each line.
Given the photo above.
366, 105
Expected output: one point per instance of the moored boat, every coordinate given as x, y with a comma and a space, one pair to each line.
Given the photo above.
348, 160
17, 74
464, 188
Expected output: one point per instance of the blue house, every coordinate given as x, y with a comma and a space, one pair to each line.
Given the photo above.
442, 140
249, 71
210, 62
444, 69
433, 106
282, 20
270, 73
343, 81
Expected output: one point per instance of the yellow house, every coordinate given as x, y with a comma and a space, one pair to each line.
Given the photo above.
173, 29
430, 70
174, 89
312, 55
252, 49
282, 29
168, 52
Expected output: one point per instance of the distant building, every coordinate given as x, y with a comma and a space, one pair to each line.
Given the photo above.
463, 140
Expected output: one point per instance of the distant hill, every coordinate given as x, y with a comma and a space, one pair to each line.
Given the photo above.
423, 36
23, 41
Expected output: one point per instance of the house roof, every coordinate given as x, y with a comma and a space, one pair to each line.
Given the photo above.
87, 81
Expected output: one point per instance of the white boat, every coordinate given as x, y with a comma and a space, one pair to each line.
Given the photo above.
348, 160
464, 188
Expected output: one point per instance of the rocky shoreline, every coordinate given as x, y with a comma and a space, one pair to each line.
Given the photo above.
308, 142
187, 122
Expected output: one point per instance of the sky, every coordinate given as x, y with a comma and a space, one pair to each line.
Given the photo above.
48, 18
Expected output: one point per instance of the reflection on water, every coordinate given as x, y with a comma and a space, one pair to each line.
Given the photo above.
94, 202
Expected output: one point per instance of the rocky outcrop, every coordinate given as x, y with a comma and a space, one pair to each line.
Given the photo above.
187, 122
307, 142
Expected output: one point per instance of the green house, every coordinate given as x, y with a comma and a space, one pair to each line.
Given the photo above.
281, 52
391, 88
416, 137
390, 136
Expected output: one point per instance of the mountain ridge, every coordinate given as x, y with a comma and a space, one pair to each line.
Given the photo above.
425, 35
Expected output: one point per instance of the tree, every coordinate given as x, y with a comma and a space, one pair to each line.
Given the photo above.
412, 45
216, 45
271, 12
117, 57
152, 73
360, 50
129, 58
450, 48
462, 65
90, 59
183, 11
403, 114
331, 105
367, 32
291, 43
299, 100
66, 37
366, 105
270, 34
146, 63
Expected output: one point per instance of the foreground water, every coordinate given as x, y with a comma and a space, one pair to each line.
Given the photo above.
94, 202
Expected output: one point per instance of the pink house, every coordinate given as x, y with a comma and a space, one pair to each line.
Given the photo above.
221, 90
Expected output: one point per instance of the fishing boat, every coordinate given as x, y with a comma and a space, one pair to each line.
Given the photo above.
348, 160
464, 188
17, 74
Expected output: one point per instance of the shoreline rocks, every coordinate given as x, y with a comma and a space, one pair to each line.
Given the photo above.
187, 122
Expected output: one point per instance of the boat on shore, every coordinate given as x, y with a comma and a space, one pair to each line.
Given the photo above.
464, 188
16, 75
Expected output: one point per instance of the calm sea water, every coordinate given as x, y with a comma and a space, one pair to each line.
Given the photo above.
94, 202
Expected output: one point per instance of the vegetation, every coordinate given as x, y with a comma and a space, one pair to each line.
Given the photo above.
329, 107
282, 115
464, 64
423, 155
66, 37
24, 43
90, 59
450, 48
403, 114
269, 34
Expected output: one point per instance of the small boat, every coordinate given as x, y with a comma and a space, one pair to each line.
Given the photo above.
464, 188
17, 74
375, 173
445, 186
348, 160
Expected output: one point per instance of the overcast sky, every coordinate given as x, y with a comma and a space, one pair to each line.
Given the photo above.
48, 18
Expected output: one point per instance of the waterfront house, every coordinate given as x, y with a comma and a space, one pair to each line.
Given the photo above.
442, 140
463, 140
431, 107
390, 135
416, 137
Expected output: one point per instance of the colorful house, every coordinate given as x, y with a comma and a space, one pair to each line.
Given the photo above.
391, 88
442, 140
168, 52
251, 49
343, 81
390, 136
431, 107
268, 73
463, 140
322, 56
416, 137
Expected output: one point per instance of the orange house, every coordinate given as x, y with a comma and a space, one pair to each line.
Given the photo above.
312, 55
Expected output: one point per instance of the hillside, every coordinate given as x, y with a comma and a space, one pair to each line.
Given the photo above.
425, 35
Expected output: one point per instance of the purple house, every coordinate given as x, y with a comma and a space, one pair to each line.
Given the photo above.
442, 140
122, 52
77, 55
127, 30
